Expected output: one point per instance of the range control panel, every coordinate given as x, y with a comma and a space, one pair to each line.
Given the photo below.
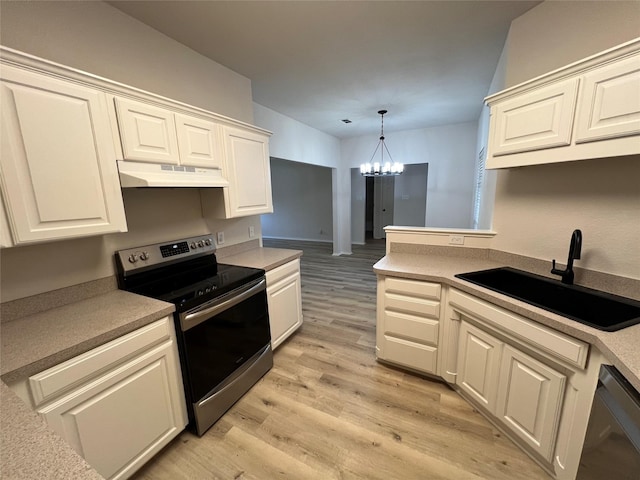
132, 259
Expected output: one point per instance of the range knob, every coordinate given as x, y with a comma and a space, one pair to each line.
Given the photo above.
133, 258
200, 243
193, 245
208, 242
144, 256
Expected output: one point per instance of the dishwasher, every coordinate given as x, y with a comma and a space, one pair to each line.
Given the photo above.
612, 443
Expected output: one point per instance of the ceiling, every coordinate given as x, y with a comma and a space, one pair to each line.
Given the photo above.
427, 62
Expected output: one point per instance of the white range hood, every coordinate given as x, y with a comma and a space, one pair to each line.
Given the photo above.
138, 174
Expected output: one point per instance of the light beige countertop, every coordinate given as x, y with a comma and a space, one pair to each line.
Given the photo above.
36, 342
620, 348
264, 258
29, 449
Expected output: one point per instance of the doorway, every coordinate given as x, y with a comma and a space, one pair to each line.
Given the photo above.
380, 201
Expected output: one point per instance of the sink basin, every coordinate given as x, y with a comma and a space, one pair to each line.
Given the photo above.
597, 309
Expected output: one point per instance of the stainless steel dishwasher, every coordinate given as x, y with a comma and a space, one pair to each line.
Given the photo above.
612, 444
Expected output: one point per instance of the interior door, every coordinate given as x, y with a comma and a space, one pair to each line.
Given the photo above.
383, 192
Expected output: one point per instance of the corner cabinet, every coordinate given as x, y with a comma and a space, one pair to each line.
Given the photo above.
247, 168
589, 109
284, 298
56, 148
119, 404
535, 383
408, 323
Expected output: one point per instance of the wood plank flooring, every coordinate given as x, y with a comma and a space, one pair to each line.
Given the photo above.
328, 410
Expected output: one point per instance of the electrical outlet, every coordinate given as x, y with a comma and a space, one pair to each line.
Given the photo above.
456, 239
252, 232
220, 238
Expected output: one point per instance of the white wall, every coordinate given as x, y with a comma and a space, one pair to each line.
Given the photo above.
450, 152
537, 208
97, 38
296, 141
302, 202
556, 33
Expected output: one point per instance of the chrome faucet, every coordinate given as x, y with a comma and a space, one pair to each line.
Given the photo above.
575, 248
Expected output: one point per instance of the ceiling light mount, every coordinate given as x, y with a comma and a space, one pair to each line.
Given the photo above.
381, 168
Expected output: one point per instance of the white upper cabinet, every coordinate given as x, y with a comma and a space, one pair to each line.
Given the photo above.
149, 133
610, 102
198, 142
542, 119
247, 168
589, 109
58, 164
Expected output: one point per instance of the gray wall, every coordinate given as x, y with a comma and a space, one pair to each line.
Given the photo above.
302, 202
410, 196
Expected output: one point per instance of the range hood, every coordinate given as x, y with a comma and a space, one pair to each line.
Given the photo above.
139, 174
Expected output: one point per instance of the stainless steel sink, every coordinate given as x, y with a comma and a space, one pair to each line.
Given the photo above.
597, 309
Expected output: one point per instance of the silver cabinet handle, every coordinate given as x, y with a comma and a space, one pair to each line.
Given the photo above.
198, 315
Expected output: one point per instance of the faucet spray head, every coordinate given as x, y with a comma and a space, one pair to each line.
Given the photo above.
577, 244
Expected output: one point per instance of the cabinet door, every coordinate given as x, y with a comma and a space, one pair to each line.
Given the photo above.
478, 365
249, 173
120, 420
147, 133
58, 164
529, 400
609, 104
539, 119
198, 142
285, 302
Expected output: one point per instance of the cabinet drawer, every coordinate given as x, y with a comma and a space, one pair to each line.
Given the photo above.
56, 380
410, 354
418, 306
416, 288
544, 339
411, 327
283, 271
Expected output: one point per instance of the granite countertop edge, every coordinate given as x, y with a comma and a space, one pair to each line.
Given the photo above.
618, 347
37, 342
266, 258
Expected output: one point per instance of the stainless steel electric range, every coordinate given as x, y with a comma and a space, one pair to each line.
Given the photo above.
221, 318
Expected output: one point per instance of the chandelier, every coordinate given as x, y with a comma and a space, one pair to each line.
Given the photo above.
381, 168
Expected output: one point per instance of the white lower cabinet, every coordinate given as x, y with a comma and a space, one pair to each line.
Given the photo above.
284, 298
531, 381
118, 404
408, 323
530, 396
524, 394
479, 365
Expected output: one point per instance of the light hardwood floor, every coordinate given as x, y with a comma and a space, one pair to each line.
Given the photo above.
328, 410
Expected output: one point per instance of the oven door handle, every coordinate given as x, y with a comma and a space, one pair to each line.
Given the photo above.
197, 316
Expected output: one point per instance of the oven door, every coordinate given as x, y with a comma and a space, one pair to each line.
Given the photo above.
226, 348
